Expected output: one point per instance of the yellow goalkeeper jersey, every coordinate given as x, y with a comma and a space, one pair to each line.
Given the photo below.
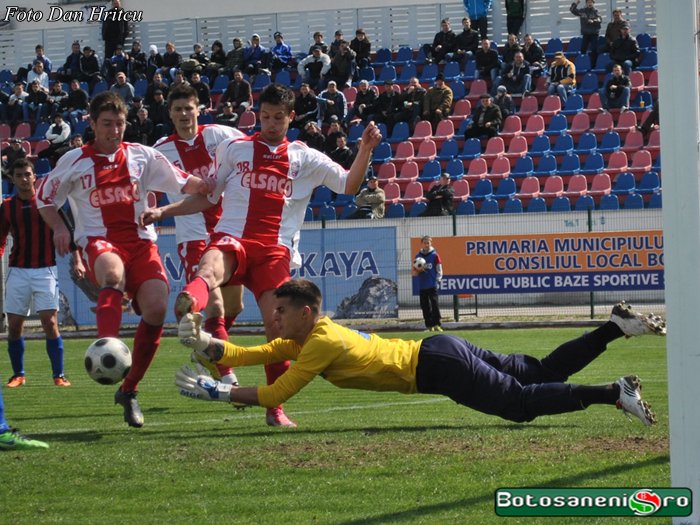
347, 358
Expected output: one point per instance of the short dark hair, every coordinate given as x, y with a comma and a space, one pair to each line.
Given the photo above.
22, 163
301, 292
106, 101
183, 91
277, 94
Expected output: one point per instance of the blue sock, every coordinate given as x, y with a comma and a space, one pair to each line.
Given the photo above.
16, 350
54, 347
4, 427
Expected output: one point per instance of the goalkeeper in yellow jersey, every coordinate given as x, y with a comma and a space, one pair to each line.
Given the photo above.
516, 387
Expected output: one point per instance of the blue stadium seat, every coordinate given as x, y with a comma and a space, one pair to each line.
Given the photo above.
469, 73
537, 205
418, 209
261, 81
656, 200
322, 196
554, 45
649, 61
407, 72
470, 150
570, 165
589, 85
574, 105
482, 191
466, 208
388, 72
431, 172
428, 74
448, 151
610, 143
395, 211
403, 56
564, 145
458, 90
624, 184
400, 133
220, 84
561, 204
594, 165
355, 132
326, 213
546, 166
582, 63
649, 184
347, 211
42, 167
489, 207
283, 77
587, 144
610, 202
601, 64
634, 202
524, 167
293, 134
584, 202
382, 153
506, 189
573, 50
540, 147
140, 87
452, 71
39, 132
557, 126
455, 168
382, 57
513, 205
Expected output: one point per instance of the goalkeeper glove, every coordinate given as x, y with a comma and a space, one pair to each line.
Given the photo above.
201, 386
190, 333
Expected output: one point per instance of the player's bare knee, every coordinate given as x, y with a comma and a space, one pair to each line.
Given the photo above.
154, 312
49, 323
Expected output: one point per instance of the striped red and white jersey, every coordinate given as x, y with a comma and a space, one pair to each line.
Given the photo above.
108, 193
266, 189
32, 238
196, 157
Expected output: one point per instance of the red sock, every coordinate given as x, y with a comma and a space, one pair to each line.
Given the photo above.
199, 289
109, 312
274, 370
228, 322
215, 326
146, 344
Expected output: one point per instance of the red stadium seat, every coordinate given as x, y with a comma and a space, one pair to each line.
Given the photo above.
529, 189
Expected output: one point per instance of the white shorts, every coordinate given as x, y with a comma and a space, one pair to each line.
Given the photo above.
25, 286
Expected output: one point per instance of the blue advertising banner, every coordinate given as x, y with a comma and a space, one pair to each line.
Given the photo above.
355, 269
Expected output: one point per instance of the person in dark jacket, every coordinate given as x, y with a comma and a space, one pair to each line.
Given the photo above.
486, 119
114, 30
467, 42
590, 27
89, 67
515, 16
488, 64
362, 47
625, 50
443, 44
534, 55
440, 198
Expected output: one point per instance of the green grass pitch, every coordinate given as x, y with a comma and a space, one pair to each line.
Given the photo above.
356, 458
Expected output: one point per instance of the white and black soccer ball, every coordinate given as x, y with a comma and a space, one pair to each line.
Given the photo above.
419, 263
108, 360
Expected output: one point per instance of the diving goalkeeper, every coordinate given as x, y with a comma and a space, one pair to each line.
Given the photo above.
516, 387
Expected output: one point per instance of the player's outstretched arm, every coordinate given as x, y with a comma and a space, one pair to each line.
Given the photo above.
205, 387
371, 137
192, 204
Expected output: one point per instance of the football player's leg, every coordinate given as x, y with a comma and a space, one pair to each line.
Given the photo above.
215, 268
215, 325
109, 273
54, 345
15, 348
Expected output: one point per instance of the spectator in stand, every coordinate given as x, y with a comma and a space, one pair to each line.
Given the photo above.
342, 154
179, 80
141, 129
156, 84
443, 44
411, 103
132, 114
590, 27
154, 62
562, 77
75, 142
217, 58
440, 197
172, 60
364, 102
305, 107
614, 29
55, 98
35, 104
58, 135
652, 121
75, 105
71, 67
23, 71
202, 89
160, 116
362, 48
516, 76
370, 201
255, 56
343, 65
332, 102
11, 153
534, 55
504, 102
312, 136
616, 92
138, 62
198, 60
233, 60
335, 45
238, 93
281, 53
114, 30
488, 63
124, 89
38, 74
387, 105
227, 117
119, 63
467, 42
625, 50
511, 47
15, 104
89, 67
515, 16
334, 131
318, 42
486, 119
478, 11
437, 101
314, 67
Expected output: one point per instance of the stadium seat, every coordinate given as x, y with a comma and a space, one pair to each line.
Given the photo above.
403, 56
642, 102
326, 213
573, 106
641, 163
427, 76
39, 132
477, 170
470, 150
205, 118
563, 145
418, 209
261, 81
582, 63
283, 76
382, 153
461, 190
652, 84
348, 211
537, 205
500, 169
594, 165
42, 167
513, 205
220, 84
400, 133
516, 149
577, 186
459, 91
407, 73
386, 173
495, 148
561, 204
540, 147
634, 201
404, 153
466, 208
626, 122
636, 83
382, 57
654, 144
422, 130
570, 165
489, 207
469, 72
455, 169
445, 130
482, 190
601, 64
553, 46
355, 133
412, 194
550, 107
452, 71
395, 211
649, 61
430, 173
609, 202
408, 173
506, 189
580, 125
23, 131
293, 134
539, 89
512, 127
392, 193
477, 88
600, 186
557, 126
321, 196
617, 163
448, 151
524, 167
40, 146
587, 145
624, 185
98, 88
533, 128
656, 201
547, 166
528, 107
529, 189
634, 141
247, 122
649, 184
461, 111
584, 203
5, 131
553, 188
610, 143
644, 41
603, 123
367, 73
588, 86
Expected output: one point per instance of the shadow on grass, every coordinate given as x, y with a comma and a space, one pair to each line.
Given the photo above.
426, 511
79, 436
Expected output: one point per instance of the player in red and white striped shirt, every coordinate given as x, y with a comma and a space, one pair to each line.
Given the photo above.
267, 183
106, 183
192, 149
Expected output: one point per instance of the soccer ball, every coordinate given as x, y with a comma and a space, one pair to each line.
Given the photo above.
108, 360
419, 263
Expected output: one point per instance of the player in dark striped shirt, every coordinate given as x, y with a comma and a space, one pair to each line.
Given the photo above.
32, 276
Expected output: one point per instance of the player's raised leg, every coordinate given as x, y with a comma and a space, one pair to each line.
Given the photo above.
215, 268
215, 322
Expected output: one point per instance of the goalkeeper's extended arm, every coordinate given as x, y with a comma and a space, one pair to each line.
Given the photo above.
207, 388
